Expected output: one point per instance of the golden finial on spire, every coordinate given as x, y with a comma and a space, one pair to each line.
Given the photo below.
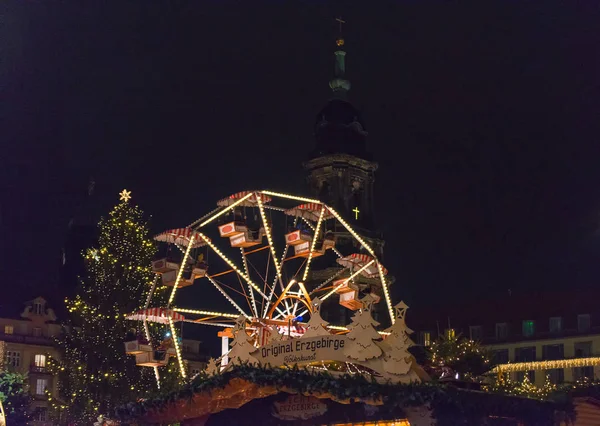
340, 40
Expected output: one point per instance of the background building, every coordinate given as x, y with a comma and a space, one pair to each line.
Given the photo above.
28, 346
28, 343
554, 334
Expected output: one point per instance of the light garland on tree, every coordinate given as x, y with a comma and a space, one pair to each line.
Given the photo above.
94, 373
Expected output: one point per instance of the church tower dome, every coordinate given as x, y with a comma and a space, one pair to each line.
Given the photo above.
341, 171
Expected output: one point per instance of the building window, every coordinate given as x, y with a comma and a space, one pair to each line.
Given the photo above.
501, 330
555, 325
556, 376
528, 328
450, 333
40, 386
476, 332
526, 354
9, 329
553, 352
13, 358
583, 323
37, 331
425, 338
37, 308
195, 371
41, 414
40, 361
501, 356
583, 349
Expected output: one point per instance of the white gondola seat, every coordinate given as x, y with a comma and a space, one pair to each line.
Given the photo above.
169, 279
134, 347
247, 238
350, 300
345, 287
199, 270
232, 229
147, 359
164, 265
298, 237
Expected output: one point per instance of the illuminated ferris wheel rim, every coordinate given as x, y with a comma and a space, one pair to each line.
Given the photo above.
310, 211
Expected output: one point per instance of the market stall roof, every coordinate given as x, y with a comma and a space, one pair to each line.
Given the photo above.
209, 396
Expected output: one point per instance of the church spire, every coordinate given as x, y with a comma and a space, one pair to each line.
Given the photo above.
339, 84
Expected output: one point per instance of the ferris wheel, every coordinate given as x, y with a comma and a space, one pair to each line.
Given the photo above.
265, 256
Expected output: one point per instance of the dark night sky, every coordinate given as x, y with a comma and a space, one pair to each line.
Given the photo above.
484, 117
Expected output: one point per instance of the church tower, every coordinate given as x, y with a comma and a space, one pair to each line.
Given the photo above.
341, 172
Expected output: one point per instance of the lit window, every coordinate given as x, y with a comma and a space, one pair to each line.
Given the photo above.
476, 332
9, 329
13, 358
40, 360
37, 308
528, 328
426, 338
41, 414
450, 333
40, 386
37, 331
555, 325
501, 330
583, 323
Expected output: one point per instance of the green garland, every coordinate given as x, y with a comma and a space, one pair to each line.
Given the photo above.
450, 406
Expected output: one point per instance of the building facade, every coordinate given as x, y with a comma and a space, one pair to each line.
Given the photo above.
28, 344
554, 335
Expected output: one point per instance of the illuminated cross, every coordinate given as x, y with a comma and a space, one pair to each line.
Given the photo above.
341, 21
356, 212
125, 195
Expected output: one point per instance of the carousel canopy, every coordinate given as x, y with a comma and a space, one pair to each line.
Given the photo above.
182, 237
251, 201
310, 211
159, 315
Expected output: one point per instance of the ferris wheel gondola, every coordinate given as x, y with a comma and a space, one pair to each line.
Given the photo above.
170, 265
256, 275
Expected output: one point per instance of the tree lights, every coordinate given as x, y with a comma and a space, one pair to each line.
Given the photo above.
94, 373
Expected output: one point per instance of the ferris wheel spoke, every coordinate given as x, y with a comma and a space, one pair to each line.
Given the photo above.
243, 293
233, 266
271, 294
313, 243
266, 226
235, 305
347, 280
327, 281
254, 310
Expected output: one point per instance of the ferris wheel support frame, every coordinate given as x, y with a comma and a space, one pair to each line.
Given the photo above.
271, 307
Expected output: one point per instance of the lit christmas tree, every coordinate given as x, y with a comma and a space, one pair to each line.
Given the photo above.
363, 334
95, 374
15, 397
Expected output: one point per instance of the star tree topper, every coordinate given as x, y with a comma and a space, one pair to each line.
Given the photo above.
125, 195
